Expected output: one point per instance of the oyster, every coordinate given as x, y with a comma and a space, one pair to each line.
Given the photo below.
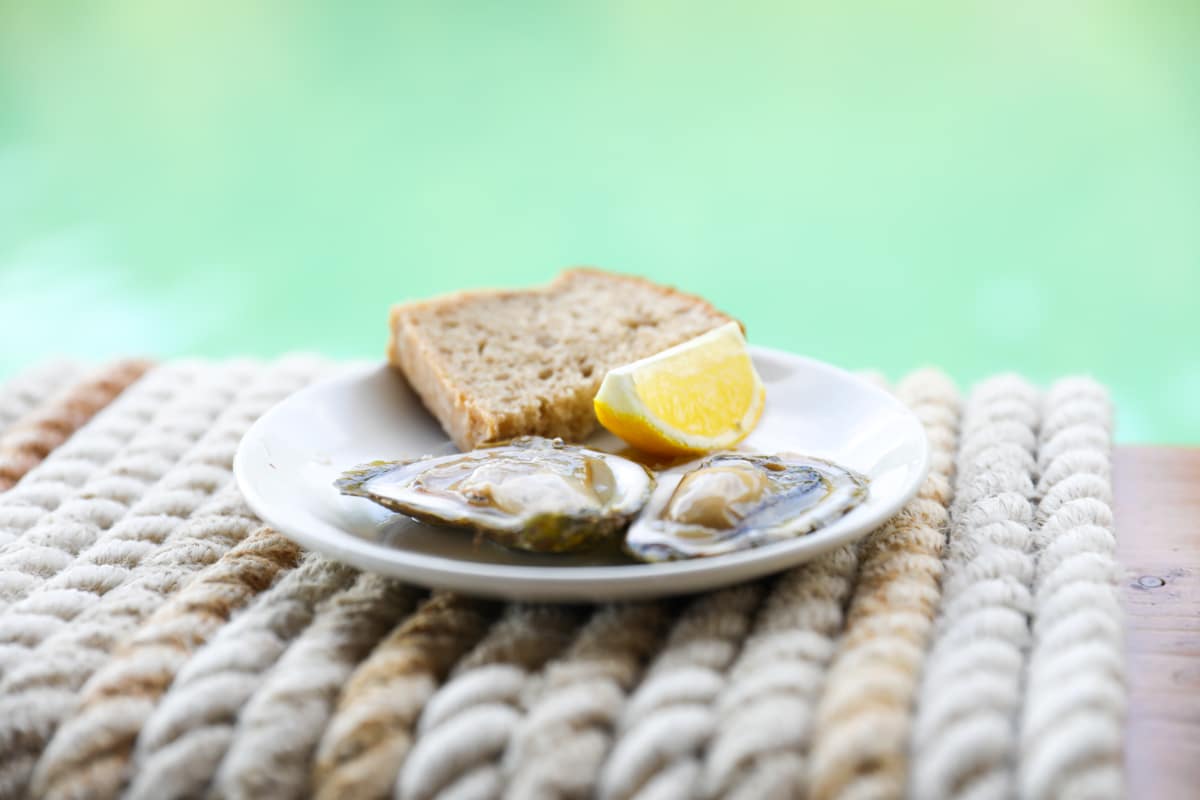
733, 501
531, 493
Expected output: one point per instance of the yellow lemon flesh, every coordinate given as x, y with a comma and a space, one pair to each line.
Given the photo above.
697, 397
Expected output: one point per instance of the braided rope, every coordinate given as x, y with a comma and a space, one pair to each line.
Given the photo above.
725, 702
108, 512
213, 686
40, 692
282, 723
558, 747
27, 390
466, 725
1073, 718
28, 441
59, 476
89, 755
667, 722
964, 735
861, 738
765, 711
114, 558
370, 733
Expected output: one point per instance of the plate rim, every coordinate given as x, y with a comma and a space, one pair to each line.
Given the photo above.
566, 583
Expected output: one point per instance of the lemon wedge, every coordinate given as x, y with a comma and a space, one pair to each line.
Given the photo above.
697, 397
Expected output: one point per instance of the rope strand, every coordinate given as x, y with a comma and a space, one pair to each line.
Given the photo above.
60, 476
669, 719
862, 733
964, 734
30, 439
369, 736
117, 537
467, 723
282, 723
765, 713
557, 748
38, 693
106, 509
1072, 723
213, 686
90, 752
27, 390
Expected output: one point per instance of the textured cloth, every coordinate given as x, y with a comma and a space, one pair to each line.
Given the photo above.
157, 641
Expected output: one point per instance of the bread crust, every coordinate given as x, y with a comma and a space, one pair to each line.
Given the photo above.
645, 283
412, 350
407, 350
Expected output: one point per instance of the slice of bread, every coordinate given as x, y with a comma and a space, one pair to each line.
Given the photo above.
491, 365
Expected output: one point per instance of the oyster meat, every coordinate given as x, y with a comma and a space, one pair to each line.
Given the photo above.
531, 493
733, 501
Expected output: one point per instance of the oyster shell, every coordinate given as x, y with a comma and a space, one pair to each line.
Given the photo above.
531, 493
733, 501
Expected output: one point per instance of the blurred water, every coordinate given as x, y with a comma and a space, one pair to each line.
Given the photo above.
988, 186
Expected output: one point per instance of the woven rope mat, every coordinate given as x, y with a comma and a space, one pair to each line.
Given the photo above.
157, 641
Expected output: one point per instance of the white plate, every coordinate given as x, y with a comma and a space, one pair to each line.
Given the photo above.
288, 460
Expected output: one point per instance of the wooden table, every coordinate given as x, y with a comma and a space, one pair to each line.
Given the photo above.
1157, 509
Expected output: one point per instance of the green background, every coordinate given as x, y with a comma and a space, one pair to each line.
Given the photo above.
985, 186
